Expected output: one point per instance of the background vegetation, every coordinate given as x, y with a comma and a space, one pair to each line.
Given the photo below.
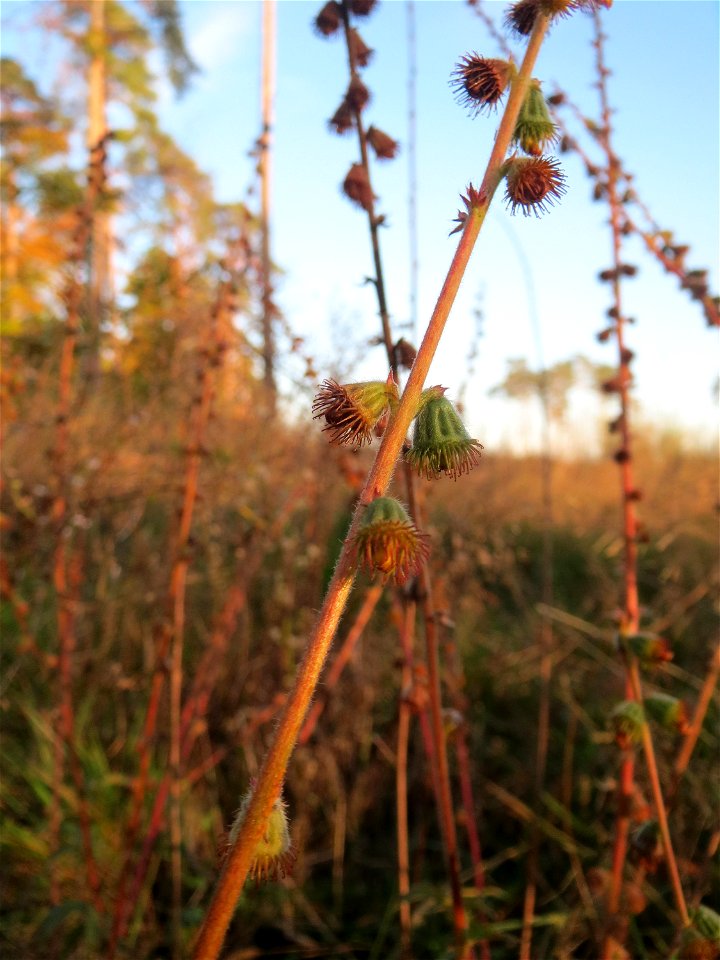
157, 480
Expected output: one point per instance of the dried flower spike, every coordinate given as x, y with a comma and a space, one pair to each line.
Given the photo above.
352, 410
534, 130
441, 444
329, 19
357, 187
273, 856
480, 82
384, 146
533, 183
388, 542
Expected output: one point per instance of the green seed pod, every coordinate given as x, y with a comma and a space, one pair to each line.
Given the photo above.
274, 856
626, 721
388, 542
707, 923
701, 941
667, 711
441, 444
534, 129
649, 648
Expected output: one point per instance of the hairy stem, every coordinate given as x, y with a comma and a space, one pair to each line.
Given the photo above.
272, 772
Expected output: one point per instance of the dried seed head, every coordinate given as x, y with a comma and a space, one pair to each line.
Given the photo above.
357, 94
360, 52
352, 410
343, 119
522, 15
405, 353
384, 146
273, 856
533, 184
329, 19
361, 8
534, 130
441, 444
626, 722
480, 82
388, 542
357, 187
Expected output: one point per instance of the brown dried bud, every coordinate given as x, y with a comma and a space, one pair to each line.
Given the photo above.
384, 146
357, 187
556, 99
480, 82
357, 94
622, 455
361, 8
522, 15
533, 184
405, 353
617, 383
343, 119
604, 335
634, 495
360, 52
329, 19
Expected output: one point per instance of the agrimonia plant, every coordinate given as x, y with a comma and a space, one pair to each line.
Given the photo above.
67, 558
460, 455
631, 718
381, 535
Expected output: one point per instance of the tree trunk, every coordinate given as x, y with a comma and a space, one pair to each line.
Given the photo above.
100, 233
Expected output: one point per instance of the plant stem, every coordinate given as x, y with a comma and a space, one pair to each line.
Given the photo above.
340, 662
660, 811
272, 772
403, 844
708, 687
169, 632
631, 612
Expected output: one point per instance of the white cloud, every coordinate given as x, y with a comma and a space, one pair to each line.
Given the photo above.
215, 29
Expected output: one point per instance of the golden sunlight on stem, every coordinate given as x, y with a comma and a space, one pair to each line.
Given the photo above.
272, 773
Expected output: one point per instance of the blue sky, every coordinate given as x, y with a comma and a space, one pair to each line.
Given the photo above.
664, 87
